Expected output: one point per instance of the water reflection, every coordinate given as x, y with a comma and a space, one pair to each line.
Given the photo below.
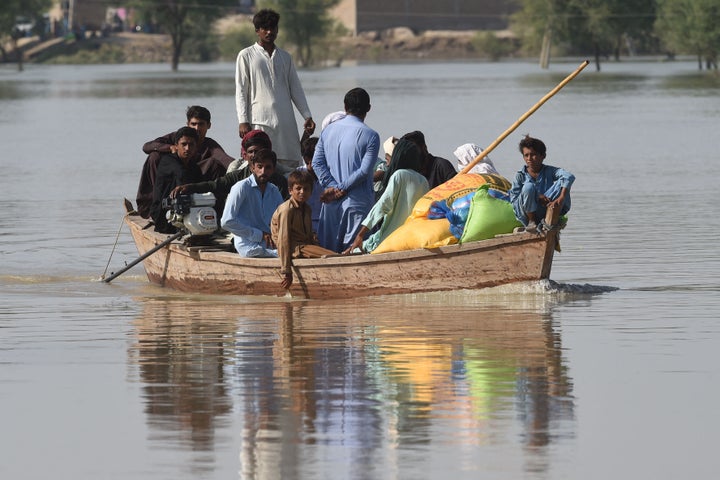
365, 380
180, 355
119, 85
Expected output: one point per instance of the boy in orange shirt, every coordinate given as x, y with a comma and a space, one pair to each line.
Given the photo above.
291, 226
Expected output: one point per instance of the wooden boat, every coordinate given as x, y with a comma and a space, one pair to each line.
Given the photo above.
218, 269
515, 257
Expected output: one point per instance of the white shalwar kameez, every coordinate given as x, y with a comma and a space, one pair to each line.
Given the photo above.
266, 87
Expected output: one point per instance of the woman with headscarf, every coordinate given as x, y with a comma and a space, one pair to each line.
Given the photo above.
403, 186
467, 153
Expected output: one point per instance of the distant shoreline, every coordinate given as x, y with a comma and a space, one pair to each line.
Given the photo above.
392, 46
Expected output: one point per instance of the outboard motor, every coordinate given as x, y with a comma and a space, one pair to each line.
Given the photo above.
192, 212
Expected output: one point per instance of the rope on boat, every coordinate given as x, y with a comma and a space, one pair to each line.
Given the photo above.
117, 237
544, 227
548, 228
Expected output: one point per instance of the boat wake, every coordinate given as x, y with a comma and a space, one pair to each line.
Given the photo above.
548, 287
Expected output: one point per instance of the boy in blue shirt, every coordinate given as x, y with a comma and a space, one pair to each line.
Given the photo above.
537, 187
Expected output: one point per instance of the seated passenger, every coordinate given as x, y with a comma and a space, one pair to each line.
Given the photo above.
308, 150
437, 170
404, 185
467, 153
221, 186
253, 141
209, 157
250, 207
537, 187
382, 165
291, 226
174, 169
253, 137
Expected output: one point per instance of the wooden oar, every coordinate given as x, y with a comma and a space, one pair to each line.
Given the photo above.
144, 256
524, 117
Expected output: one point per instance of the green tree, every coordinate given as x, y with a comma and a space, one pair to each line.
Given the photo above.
604, 26
541, 23
305, 22
10, 10
691, 26
632, 22
599, 27
184, 21
592, 28
236, 39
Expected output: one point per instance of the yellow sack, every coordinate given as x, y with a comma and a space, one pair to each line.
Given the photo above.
458, 186
418, 233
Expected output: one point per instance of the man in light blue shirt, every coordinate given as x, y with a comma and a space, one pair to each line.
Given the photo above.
537, 187
249, 208
344, 162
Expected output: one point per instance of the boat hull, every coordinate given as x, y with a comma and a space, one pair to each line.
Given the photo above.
501, 260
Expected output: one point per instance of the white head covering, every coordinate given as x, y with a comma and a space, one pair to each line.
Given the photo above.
466, 153
389, 145
332, 117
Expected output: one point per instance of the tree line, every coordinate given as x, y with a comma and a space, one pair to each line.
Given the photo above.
601, 29
10, 12
605, 28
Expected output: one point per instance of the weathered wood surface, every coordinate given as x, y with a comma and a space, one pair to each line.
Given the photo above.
506, 259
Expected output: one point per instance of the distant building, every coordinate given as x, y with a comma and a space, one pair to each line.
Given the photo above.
419, 15
89, 14
86, 14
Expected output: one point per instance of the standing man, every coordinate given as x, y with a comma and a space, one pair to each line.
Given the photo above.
250, 206
344, 162
266, 87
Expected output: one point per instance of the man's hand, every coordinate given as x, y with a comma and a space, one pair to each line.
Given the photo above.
243, 129
331, 194
267, 238
357, 243
179, 190
558, 202
309, 127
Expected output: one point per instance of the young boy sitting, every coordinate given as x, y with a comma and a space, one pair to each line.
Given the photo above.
538, 187
291, 226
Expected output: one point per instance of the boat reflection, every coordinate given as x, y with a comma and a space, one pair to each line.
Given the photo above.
180, 358
363, 379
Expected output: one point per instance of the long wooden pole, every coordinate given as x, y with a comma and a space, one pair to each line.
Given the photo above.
144, 256
524, 117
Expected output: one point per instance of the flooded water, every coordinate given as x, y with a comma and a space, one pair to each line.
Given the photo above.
607, 371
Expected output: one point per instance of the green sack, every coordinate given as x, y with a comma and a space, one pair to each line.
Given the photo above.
489, 216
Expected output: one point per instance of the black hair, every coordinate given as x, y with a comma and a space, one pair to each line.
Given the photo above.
263, 154
196, 111
406, 155
417, 137
307, 147
266, 19
533, 144
357, 102
185, 132
302, 177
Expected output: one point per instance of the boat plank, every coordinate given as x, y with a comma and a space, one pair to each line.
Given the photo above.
506, 259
